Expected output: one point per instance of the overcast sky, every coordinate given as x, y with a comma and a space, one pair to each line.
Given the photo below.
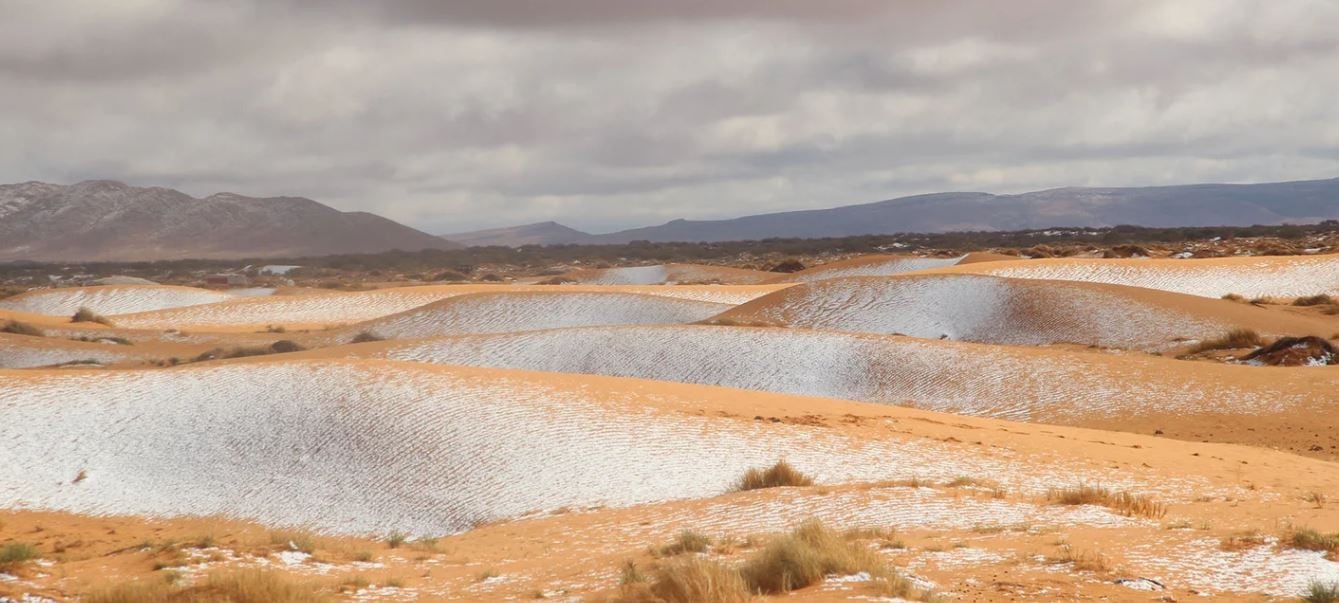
605, 114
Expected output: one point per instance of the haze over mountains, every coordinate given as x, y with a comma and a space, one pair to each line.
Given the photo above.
1159, 206
104, 220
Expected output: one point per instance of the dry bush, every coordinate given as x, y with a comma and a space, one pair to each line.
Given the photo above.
779, 475
805, 556
1081, 560
294, 540
1321, 592
1130, 505
245, 586
84, 314
366, 336
1311, 540
1241, 541
687, 541
15, 553
1314, 300
688, 580
1263, 300
1233, 297
1234, 339
21, 328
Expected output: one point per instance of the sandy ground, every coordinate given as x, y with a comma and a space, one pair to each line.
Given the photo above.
530, 440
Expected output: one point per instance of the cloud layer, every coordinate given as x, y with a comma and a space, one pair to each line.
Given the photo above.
607, 114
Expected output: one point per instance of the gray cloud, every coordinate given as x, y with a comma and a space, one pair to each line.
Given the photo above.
607, 114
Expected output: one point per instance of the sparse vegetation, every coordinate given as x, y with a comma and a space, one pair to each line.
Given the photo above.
1321, 592
85, 314
1234, 339
1314, 300
395, 539
365, 337
21, 328
781, 474
15, 553
687, 541
295, 540
1132, 505
1233, 297
1241, 541
245, 586
688, 580
1309, 539
810, 552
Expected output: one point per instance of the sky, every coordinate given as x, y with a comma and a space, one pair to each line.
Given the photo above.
608, 114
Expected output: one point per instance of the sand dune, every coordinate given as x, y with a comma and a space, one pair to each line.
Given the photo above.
1048, 385
1270, 276
334, 308
18, 351
884, 265
118, 299
368, 447
661, 274
1010, 311
529, 310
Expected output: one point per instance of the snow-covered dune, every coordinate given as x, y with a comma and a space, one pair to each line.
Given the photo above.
115, 299
661, 274
17, 351
990, 309
986, 380
525, 311
1276, 276
333, 308
375, 446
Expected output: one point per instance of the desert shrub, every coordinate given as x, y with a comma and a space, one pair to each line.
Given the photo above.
284, 346
84, 314
1314, 300
1321, 592
1234, 339
778, 475
21, 328
365, 337
788, 266
491, 278
1234, 297
811, 552
687, 541
629, 574
1131, 505
395, 539
1241, 541
15, 553
294, 540
688, 580
1312, 540
449, 275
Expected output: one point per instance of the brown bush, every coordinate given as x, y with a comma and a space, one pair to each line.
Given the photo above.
1234, 339
84, 314
1314, 300
779, 475
21, 328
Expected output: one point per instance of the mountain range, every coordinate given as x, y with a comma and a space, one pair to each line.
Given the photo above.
1158, 206
100, 220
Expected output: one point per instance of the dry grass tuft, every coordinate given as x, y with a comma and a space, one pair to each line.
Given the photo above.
1130, 505
779, 475
21, 328
365, 337
687, 541
294, 540
1314, 300
1321, 592
246, 586
1241, 541
84, 314
804, 557
15, 553
1233, 297
689, 580
1234, 339
1311, 540
1084, 561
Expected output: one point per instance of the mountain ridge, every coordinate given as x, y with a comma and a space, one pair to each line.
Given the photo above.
104, 220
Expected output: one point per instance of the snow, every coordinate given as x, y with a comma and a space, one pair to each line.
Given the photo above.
502, 312
21, 352
979, 308
1280, 277
636, 275
993, 381
110, 300
369, 448
1204, 566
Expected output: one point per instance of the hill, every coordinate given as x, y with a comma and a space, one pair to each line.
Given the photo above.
1156, 206
540, 233
102, 220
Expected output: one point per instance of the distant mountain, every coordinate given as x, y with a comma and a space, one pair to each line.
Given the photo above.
1160, 206
541, 233
104, 220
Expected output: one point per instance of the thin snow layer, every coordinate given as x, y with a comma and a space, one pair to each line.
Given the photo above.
1290, 277
503, 312
17, 352
1204, 566
112, 299
375, 447
991, 381
883, 268
368, 305
636, 275
983, 309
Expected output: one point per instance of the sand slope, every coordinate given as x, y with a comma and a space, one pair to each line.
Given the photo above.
529, 310
368, 447
1277, 276
334, 308
884, 265
661, 274
1050, 385
1010, 311
18, 351
118, 299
